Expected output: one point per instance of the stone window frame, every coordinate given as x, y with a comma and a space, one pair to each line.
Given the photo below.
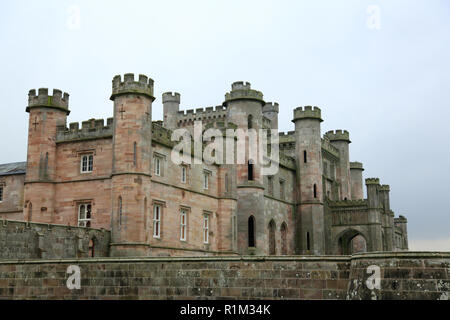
184, 166
87, 222
2, 190
89, 162
161, 204
206, 175
206, 228
186, 210
158, 158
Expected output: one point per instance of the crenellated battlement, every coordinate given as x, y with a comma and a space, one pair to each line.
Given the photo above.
356, 165
90, 129
144, 85
271, 107
307, 112
327, 146
242, 90
385, 187
58, 100
338, 135
372, 181
171, 97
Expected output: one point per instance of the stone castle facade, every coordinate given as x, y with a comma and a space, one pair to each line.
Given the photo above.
119, 176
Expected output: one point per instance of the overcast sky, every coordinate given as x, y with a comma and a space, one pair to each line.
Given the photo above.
379, 69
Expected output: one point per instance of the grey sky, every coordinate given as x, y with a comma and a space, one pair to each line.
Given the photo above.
388, 87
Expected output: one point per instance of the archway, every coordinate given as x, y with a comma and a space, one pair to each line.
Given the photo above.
351, 241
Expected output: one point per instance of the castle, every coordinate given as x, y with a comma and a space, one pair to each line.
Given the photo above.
119, 177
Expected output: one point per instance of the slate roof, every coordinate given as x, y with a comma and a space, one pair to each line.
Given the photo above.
8, 169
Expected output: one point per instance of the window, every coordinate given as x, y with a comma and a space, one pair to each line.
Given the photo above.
308, 243
183, 174
282, 193
315, 191
206, 228
157, 166
250, 121
84, 215
270, 185
251, 231
87, 163
250, 170
283, 230
156, 221
272, 243
119, 210
205, 180
183, 224
305, 160
1, 193
135, 154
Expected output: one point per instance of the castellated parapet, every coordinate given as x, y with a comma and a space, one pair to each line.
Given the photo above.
90, 129
385, 187
171, 97
356, 166
338, 135
242, 90
143, 86
58, 100
307, 112
373, 181
271, 107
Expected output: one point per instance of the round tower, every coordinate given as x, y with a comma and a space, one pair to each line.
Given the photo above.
356, 170
341, 140
130, 190
244, 109
171, 106
47, 113
308, 150
270, 111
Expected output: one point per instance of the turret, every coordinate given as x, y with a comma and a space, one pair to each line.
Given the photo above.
130, 189
270, 111
244, 109
388, 217
356, 170
341, 140
47, 113
374, 215
171, 106
401, 222
308, 151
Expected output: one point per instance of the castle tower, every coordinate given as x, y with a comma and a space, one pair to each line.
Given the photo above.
171, 106
388, 224
356, 170
375, 241
130, 187
244, 109
401, 222
310, 211
46, 114
341, 140
270, 111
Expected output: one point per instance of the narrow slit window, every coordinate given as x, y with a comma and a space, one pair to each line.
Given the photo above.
183, 225
305, 158
183, 174
119, 210
157, 221
206, 228
1, 193
315, 191
308, 243
250, 171
135, 154
251, 231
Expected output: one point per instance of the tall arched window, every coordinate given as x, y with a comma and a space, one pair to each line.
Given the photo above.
30, 211
119, 210
272, 243
315, 191
251, 231
283, 231
250, 122
305, 159
308, 242
250, 171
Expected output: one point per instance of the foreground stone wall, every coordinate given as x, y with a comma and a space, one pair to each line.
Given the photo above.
419, 276
22, 240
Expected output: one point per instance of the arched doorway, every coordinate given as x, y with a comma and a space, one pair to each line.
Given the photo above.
272, 242
351, 241
283, 231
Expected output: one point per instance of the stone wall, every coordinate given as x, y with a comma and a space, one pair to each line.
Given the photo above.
22, 240
403, 276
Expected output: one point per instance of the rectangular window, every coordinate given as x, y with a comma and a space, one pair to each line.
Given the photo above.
84, 215
205, 180
282, 191
87, 163
206, 228
156, 221
183, 225
183, 174
1, 193
157, 166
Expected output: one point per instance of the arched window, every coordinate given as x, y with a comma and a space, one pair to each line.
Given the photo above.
250, 121
250, 171
91, 248
315, 191
30, 211
308, 242
119, 210
283, 231
272, 243
305, 159
251, 231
